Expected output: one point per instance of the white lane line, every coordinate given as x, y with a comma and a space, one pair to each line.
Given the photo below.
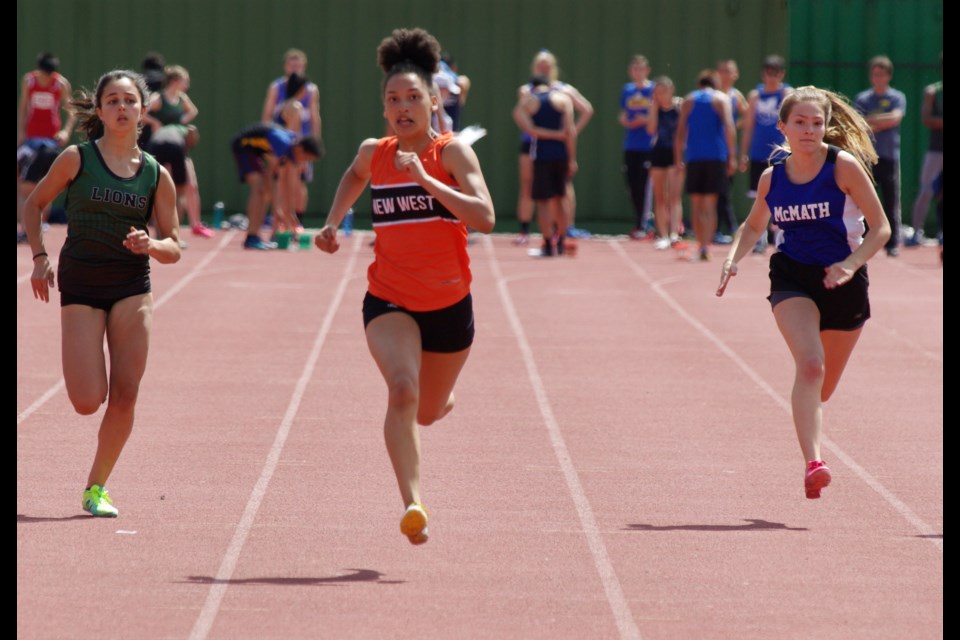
930, 271
229, 563
193, 273
601, 560
893, 333
898, 505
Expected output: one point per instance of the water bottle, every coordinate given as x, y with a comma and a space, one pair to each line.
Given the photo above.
218, 215
347, 224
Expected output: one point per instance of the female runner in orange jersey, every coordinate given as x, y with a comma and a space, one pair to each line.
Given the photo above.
426, 189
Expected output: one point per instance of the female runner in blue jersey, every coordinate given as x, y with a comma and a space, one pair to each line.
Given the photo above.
819, 197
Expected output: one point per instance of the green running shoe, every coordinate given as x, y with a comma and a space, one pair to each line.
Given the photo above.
98, 503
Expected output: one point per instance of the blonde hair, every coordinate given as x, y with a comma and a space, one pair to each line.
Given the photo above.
845, 127
549, 57
174, 72
294, 53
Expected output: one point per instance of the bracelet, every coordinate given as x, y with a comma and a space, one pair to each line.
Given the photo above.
37, 255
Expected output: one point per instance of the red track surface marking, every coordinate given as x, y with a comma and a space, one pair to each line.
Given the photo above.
912, 344
229, 564
184, 281
922, 527
601, 559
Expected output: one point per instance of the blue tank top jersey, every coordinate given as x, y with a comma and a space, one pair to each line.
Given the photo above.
526, 137
819, 224
547, 117
766, 136
705, 137
667, 120
305, 126
636, 101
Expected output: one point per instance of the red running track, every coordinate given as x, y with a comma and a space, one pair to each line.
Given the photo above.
621, 462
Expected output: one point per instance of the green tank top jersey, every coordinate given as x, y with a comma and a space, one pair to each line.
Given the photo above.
168, 113
101, 207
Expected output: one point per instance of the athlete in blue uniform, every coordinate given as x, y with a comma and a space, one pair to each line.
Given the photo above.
760, 133
545, 64
729, 73
819, 197
547, 114
706, 142
295, 62
884, 108
636, 105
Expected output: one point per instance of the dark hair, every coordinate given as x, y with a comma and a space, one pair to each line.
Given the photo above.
539, 80
153, 61
295, 83
86, 103
152, 66
311, 146
707, 78
409, 51
47, 62
775, 63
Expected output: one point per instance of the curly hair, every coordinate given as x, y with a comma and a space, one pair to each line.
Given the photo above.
86, 103
409, 51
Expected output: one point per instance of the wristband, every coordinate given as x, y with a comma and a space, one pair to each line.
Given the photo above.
37, 255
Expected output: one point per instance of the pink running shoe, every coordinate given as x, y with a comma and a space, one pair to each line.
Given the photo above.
818, 476
202, 231
522, 240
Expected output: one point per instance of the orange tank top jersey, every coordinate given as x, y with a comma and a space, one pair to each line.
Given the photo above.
421, 261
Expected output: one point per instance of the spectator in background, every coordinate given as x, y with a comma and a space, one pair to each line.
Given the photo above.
761, 137
706, 143
170, 145
173, 107
295, 61
666, 176
546, 114
545, 64
729, 73
884, 108
636, 104
151, 70
268, 159
454, 88
932, 160
41, 132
